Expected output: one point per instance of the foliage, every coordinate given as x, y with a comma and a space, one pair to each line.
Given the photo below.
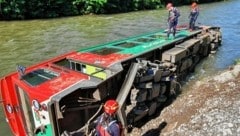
237, 61
12, 9
115, 6
29, 9
49, 8
90, 6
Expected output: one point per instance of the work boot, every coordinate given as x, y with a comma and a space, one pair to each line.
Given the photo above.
174, 34
167, 38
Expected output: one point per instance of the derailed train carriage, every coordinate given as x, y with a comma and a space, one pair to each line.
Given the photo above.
65, 94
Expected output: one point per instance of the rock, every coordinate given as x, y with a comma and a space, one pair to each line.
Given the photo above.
210, 107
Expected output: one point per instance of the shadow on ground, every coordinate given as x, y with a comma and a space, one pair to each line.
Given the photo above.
156, 131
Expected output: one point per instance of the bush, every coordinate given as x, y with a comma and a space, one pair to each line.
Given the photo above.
28, 9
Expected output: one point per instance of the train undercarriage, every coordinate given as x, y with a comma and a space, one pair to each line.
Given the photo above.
141, 85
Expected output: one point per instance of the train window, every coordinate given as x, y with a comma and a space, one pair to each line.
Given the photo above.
72, 65
145, 40
127, 44
158, 36
26, 109
78, 67
84, 68
39, 76
63, 62
105, 51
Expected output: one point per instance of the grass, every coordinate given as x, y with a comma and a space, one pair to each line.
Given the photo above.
237, 61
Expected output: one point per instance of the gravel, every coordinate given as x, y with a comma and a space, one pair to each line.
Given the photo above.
211, 107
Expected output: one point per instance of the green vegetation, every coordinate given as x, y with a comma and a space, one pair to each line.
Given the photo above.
30, 9
237, 61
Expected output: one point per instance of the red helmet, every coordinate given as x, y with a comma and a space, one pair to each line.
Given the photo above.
169, 5
110, 107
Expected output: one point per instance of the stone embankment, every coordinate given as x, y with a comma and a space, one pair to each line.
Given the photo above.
211, 107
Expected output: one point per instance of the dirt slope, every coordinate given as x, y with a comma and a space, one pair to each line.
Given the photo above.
212, 107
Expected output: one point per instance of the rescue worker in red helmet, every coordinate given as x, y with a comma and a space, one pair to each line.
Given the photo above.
107, 124
173, 15
193, 16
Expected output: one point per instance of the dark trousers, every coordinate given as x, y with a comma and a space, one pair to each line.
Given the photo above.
172, 26
192, 24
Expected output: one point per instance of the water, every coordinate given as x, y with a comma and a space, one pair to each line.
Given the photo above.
29, 42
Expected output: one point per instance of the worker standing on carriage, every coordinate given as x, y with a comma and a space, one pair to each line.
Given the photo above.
107, 124
193, 16
172, 19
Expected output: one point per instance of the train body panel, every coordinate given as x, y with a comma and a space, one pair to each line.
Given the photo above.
65, 94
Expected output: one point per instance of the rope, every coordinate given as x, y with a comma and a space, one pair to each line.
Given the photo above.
87, 125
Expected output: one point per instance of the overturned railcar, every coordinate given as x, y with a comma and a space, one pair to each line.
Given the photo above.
65, 94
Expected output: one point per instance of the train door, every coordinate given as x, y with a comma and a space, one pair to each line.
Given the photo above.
27, 111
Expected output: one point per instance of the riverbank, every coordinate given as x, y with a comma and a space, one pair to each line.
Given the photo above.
31, 9
210, 107
29, 42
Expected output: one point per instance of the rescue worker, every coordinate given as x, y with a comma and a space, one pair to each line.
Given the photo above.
107, 124
193, 16
173, 15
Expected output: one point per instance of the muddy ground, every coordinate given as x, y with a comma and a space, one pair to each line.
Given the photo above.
211, 107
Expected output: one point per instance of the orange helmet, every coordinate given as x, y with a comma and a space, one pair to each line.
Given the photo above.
110, 107
169, 5
194, 4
